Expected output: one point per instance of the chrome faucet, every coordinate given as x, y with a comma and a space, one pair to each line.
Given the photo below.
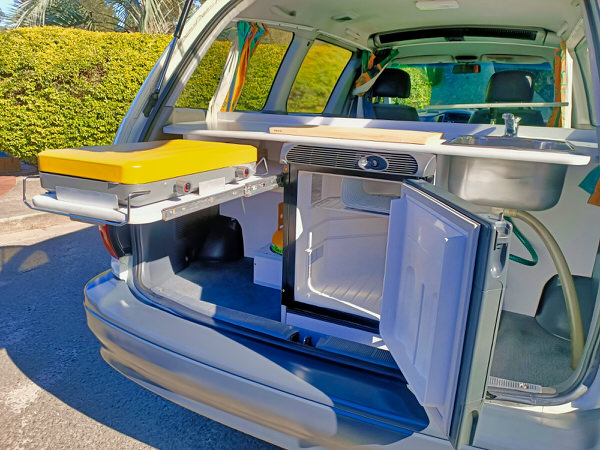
512, 124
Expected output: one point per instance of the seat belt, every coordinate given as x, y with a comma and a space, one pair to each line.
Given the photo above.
354, 106
368, 110
362, 107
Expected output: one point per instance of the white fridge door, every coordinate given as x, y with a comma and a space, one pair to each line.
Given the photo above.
428, 287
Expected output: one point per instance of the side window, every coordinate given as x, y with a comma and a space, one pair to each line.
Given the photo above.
261, 72
583, 58
204, 81
317, 77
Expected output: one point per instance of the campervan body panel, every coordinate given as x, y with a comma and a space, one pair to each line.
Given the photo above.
342, 295
103, 312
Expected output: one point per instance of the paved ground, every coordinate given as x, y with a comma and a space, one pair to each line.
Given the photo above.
14, 214
7, 183
55, 390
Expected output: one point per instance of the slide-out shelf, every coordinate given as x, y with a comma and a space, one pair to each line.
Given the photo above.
85, 210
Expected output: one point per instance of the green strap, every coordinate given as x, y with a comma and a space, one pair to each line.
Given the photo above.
521, 237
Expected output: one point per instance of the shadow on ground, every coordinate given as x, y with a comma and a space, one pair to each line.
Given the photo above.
44, 332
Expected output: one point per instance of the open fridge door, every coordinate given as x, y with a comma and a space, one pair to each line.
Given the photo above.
444, 277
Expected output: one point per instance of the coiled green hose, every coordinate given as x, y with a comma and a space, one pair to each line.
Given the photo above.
521, 237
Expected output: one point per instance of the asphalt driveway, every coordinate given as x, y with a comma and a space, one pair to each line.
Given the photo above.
55, 390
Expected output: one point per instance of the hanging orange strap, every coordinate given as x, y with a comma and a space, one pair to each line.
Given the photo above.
369, 69
557, 118
250, 35
595, 198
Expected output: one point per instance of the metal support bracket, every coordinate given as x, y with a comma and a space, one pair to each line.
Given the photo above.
82, 218
247, 190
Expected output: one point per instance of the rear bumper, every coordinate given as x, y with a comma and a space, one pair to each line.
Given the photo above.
210, 372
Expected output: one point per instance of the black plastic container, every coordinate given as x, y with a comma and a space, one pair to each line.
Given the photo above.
224, 241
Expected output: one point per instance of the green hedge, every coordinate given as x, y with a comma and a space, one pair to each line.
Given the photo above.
204, 81
261, 73
420, 92
66, 88
63, 88
316, 79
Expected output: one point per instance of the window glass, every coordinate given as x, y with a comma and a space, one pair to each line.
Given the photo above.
205, 79
453, 85
262, 70
583, 58
317, 77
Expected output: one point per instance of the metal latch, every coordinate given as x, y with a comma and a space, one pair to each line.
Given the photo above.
502, 237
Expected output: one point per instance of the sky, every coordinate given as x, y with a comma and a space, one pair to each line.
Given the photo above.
5, 5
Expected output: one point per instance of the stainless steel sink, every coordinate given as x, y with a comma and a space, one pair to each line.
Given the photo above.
517, 143
531, 186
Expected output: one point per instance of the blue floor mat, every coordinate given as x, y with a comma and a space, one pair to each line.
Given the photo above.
228, 284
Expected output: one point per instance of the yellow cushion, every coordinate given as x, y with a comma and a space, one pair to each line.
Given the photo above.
145, 162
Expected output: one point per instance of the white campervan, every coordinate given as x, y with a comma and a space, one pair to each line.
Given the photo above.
344, 223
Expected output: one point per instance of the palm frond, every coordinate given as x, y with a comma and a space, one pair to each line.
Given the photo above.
153, 17
145, 16
128, 12
30, 13
69, 13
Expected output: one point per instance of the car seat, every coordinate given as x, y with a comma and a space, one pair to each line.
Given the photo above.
509, 86
393, 83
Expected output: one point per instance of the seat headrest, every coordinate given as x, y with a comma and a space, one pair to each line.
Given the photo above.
392, 83
510, 86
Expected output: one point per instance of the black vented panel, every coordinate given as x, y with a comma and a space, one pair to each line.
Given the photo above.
457, 34
339, 158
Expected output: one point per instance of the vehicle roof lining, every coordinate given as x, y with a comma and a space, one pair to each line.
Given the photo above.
357, 20
440, 51
426, 47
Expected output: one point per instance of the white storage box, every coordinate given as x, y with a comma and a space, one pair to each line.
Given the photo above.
267, 268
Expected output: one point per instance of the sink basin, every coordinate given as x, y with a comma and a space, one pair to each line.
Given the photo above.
516, 143
531, 186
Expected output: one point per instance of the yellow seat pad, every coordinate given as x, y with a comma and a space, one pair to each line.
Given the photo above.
145, 162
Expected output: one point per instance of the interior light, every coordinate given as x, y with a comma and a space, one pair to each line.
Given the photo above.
344, 17
431, 5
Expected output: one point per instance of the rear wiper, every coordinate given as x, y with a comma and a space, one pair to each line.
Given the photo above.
176, 35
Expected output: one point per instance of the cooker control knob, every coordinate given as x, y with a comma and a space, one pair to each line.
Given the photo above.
183, 187
242, 172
